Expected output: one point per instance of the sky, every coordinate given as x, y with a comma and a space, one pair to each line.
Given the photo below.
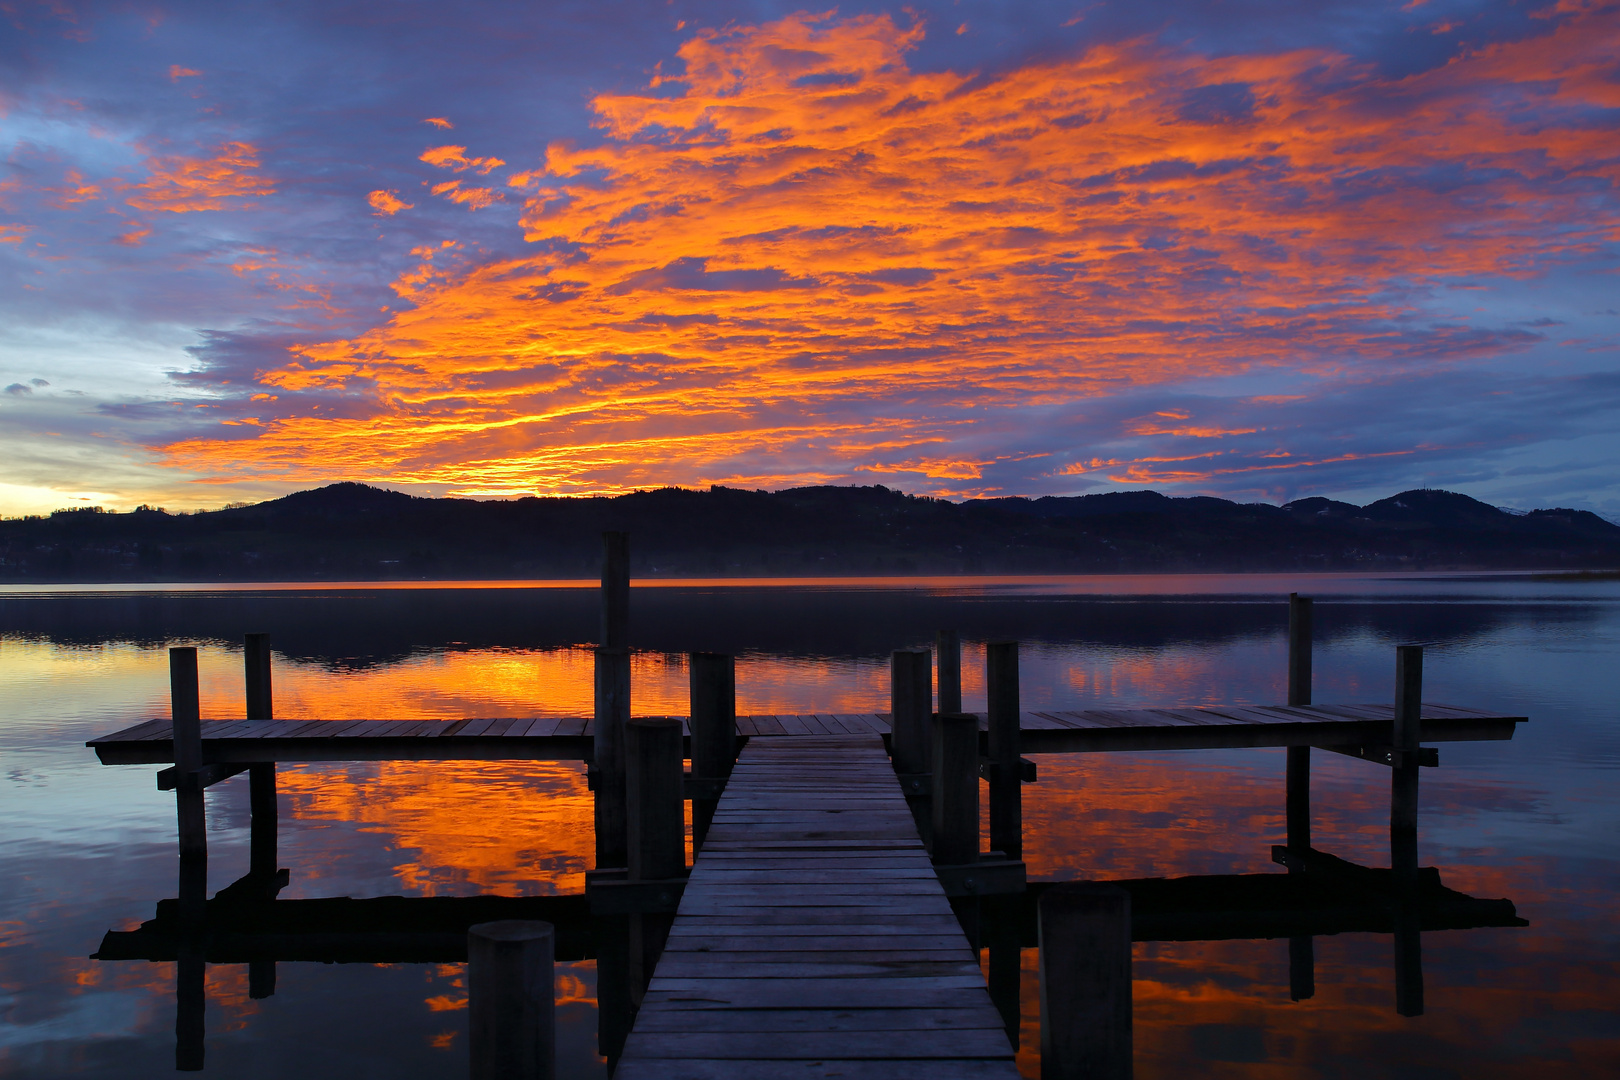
1255, 249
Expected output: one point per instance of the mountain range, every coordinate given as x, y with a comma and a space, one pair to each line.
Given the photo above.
351, 531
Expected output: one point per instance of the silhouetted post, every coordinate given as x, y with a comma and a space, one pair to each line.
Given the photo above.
1301, 950
261, 775
948, 650
657, 832
910, 706
713, 687
1001, 927
612, 700
615, 1005
186, 719
653, 783
1407, 733
1085, 941
956, 789
1403, 814
511, 1000
1299, 693
1006, 793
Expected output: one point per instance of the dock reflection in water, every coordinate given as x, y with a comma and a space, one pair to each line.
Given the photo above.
1491, 820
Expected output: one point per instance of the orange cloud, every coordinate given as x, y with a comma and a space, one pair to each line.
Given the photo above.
180, 184
176, 72
387, 203
455, 157
438, 122
813, 256
12, 234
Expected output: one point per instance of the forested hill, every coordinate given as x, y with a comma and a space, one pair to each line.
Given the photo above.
352, 531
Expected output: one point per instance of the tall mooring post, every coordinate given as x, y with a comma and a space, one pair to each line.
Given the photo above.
713, 689
657, 832
1301, 949
1085, 947
948, 662
1006, 791
1406, 734
612, 701
262, 824
191, 967
511, 1000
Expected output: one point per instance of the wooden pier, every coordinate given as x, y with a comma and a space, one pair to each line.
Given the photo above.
814, 939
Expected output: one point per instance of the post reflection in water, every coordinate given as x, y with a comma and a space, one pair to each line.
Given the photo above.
1209, 985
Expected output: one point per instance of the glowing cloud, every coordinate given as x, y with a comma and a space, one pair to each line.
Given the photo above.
387, 203
813, 261
180, 184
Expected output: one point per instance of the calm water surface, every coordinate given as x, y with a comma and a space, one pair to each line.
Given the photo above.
86, 848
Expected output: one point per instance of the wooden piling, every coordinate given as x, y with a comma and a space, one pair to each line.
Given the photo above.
713, 690
261, 775
1297, 790
511, 1000
948, 661
955, 838
186, 722
657, 821
1085, 960
191, 1004
612, 714
615, 590
910, 701
1006, 791
1406, 733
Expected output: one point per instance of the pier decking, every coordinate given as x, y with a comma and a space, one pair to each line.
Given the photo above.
813, 938
572, 739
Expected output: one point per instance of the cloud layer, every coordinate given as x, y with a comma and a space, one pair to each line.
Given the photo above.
819, 248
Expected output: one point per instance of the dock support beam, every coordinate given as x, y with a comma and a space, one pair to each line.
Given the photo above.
261, 775
511, 1000
1006, 790
1085, 944
948, 653
713, 688
1407, 733
186, 716
956, 789
612, 701
1301, 949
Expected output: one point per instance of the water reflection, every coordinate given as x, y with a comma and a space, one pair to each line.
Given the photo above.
85, 848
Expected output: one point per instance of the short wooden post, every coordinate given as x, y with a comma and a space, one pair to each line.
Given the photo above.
713, 688
910, 701
1002, 928
615, 1004
186, 721
511, 1000
948, 659
1405, 736
657, 831
261, 775
956, 789
1006, 791
1085, 943
1301, 949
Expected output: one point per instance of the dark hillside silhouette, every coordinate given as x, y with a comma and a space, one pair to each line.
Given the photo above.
352, 531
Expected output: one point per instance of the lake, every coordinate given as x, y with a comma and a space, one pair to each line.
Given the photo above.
85, 849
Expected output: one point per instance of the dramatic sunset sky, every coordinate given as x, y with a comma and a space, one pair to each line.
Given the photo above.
1258, 248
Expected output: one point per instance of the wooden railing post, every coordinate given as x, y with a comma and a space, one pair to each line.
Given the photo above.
261, 775
657, 830
713, 688
1301, 949
612, 710
511, 1000
955, 839
1006, 791
1085, 947
1405, 737
948, 660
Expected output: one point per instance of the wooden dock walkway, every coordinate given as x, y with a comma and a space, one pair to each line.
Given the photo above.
572, 739
813, 939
